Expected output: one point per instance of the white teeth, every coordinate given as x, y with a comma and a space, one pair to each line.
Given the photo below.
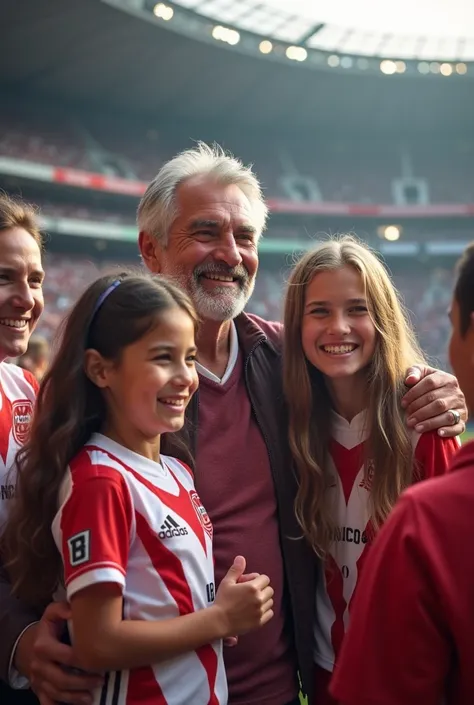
338, 349
220, 277
173, 402
14, 322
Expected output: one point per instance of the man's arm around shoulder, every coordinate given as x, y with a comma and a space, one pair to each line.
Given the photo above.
31, 651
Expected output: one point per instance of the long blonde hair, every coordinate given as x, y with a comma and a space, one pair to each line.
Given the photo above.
389, 446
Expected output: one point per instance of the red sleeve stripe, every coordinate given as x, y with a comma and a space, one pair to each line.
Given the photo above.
170, 569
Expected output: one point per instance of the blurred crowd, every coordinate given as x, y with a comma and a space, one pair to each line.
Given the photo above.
425, 292
336, 170
339, 169
426, 295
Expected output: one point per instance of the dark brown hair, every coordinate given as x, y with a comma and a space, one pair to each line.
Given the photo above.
16, 213
464, 288
69, 409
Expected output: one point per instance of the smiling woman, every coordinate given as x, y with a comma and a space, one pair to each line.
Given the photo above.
21, 304
21, 276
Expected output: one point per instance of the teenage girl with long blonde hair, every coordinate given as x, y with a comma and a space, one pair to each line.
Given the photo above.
348, 343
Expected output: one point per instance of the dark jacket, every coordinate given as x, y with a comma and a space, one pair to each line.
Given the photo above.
14, 618
261, 345
8, 696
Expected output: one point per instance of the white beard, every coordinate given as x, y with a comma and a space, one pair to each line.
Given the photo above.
220, 305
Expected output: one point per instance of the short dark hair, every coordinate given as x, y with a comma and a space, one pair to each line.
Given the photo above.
464, 288
16, 213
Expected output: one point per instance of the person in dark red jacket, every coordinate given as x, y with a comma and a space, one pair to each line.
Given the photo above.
410, 639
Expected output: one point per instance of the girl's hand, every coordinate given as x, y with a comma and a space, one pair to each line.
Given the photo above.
233, 640
243, 604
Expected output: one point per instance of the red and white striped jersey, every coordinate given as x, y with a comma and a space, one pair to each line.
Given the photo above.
125, 519
353, 534
18, 389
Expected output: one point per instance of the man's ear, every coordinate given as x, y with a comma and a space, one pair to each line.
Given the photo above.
150, 251
97, 369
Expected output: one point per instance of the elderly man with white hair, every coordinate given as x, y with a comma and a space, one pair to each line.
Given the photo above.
200, 222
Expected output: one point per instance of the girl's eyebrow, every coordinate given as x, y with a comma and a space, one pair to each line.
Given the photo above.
327, 303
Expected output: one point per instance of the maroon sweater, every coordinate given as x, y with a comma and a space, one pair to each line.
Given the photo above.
235, 484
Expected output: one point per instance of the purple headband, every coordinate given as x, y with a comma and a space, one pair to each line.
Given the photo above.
102, 298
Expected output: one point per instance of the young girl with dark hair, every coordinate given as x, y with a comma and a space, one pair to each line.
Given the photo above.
101, 511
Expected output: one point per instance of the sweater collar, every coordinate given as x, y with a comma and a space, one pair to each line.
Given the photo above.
233, 355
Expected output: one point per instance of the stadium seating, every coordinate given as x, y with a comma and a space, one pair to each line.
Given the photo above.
342, 169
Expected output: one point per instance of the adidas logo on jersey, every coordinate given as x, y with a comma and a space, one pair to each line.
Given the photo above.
170, 529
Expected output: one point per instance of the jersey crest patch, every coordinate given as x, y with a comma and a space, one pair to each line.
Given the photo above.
22, 413
367, 480
201, 512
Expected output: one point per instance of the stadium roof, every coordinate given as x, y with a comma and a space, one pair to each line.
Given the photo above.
96, 56
406, 29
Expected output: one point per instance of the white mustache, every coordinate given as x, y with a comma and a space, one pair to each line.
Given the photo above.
236, 272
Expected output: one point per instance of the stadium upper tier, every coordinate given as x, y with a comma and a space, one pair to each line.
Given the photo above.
306, 168
416, 39
403, 29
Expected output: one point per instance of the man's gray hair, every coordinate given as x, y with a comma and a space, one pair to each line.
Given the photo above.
157, 208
